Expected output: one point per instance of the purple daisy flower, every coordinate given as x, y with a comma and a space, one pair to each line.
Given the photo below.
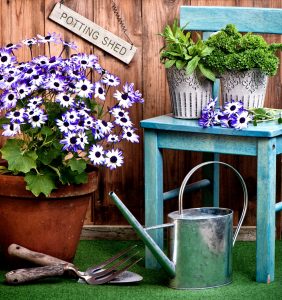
11, 129
110, 80
114, 159
126, 97
70, 142
240, 120
207, 118
50, 37
96, 155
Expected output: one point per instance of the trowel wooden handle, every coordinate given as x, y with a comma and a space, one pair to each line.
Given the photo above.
26, 275
34, 257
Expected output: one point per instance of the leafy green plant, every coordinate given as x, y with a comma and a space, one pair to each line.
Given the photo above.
182, 52
234, 51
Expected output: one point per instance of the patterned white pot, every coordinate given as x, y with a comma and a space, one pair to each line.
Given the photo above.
189, 94
247, 86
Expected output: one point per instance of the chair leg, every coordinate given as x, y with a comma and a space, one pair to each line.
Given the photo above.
266, 184
153, 193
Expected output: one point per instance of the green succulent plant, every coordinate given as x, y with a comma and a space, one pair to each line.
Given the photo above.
234, 51
182, 52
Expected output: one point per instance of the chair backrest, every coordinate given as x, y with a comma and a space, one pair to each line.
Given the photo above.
246, 19
209, 19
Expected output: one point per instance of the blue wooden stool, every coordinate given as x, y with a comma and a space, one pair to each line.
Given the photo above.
263, 141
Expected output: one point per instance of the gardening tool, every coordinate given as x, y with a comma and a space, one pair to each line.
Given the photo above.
47, 260
201, 240
94, 275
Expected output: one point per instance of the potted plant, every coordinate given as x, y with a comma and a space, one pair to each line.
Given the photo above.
243, 62
59, 130
190, 81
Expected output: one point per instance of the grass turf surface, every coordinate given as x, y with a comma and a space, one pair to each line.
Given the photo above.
154, 284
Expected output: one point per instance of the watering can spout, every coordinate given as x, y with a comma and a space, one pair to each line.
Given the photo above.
163, 260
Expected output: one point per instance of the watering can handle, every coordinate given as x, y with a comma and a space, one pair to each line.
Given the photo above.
187, 177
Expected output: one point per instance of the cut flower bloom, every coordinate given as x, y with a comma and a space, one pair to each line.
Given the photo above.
232, 115
56, 117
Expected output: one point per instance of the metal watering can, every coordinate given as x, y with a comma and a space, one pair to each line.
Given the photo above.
201, 240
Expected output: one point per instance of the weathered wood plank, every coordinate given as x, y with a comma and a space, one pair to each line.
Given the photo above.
127, 181
126, 233
204, 143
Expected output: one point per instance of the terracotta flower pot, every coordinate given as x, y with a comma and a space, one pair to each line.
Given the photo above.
50, 225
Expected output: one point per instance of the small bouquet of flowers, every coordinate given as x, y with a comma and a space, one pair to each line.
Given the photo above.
56, 117
232, 115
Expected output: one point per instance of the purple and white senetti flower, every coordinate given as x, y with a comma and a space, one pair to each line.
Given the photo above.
56, 115
232, 115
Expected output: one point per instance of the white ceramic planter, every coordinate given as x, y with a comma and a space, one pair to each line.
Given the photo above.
247, 86
189, 94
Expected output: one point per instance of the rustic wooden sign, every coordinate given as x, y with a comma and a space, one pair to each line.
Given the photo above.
93, 33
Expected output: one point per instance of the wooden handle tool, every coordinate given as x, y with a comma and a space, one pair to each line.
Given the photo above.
35, 257
26, 275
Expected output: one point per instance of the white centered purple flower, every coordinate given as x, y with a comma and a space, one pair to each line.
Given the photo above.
9, 99
70, 142
71, 116
233, 107
17, 116
55, 83
34, 102
50, 37
64, 99
84, 88
30, 42
11, 129
129, 135
126, 98
106, 127
99, 91
96, 155
64, 125
110, 80
124, 121
38, 118
82, 140
113, 138
240, 120
114, 159
5, 58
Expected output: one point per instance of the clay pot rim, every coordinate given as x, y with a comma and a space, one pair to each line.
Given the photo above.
18, 186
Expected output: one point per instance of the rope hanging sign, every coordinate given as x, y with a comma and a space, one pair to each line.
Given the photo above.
93, 33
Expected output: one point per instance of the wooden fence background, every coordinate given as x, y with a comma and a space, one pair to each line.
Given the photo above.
144, 19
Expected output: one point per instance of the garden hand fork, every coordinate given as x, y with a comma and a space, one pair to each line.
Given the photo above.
98, 274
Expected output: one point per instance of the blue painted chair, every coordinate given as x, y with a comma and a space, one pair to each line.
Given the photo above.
263, 141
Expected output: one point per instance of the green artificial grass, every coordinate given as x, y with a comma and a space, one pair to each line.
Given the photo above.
154, 284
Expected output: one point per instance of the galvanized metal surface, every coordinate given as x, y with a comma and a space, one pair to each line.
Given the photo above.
201, 248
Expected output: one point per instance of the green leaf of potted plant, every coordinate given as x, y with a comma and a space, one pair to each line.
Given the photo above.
188, 77
244, 63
